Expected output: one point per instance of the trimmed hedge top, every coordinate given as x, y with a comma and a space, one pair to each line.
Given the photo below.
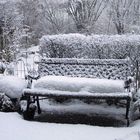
94, 46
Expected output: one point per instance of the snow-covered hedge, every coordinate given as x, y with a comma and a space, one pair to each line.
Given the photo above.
11, 89
93, 46
6, 105
12, 86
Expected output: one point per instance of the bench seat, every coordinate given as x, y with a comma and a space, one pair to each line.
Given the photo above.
77, 95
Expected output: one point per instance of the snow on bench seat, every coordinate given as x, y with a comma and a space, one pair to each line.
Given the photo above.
78, 84
59, 86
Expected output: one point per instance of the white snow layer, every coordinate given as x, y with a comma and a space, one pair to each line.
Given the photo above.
13, 127
76, 84
12, 86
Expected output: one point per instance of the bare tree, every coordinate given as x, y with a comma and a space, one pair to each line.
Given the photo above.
53, 16
85, 12
120, 11
135, 17
29, 9
136, 12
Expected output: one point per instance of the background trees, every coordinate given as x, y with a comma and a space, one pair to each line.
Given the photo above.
53, 17
85, 12
10, 22
120, 12
24, 22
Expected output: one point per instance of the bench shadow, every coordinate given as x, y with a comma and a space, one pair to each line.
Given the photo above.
74, 118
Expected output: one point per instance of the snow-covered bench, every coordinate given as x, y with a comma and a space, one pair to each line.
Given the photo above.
81, 79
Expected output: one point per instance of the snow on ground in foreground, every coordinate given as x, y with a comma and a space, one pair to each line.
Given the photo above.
13, 127
76, 84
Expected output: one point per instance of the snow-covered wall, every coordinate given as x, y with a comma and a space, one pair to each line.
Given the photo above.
93, 68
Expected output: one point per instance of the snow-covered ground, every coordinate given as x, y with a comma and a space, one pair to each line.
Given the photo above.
13, 127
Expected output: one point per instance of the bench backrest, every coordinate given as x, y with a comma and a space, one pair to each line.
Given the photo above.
90, 68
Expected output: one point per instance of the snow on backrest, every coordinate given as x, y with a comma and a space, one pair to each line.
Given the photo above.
90, 68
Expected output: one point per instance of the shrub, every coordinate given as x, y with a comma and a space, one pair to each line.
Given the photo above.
93, 46
6, 105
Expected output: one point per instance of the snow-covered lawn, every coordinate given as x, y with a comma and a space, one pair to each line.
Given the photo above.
13, 127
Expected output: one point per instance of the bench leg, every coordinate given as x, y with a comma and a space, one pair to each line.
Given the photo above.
38, 105
127, 112
28, 103
29, 113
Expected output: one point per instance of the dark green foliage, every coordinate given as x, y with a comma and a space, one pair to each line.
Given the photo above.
6, 105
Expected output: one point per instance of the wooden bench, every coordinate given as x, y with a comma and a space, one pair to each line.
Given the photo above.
108, 69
